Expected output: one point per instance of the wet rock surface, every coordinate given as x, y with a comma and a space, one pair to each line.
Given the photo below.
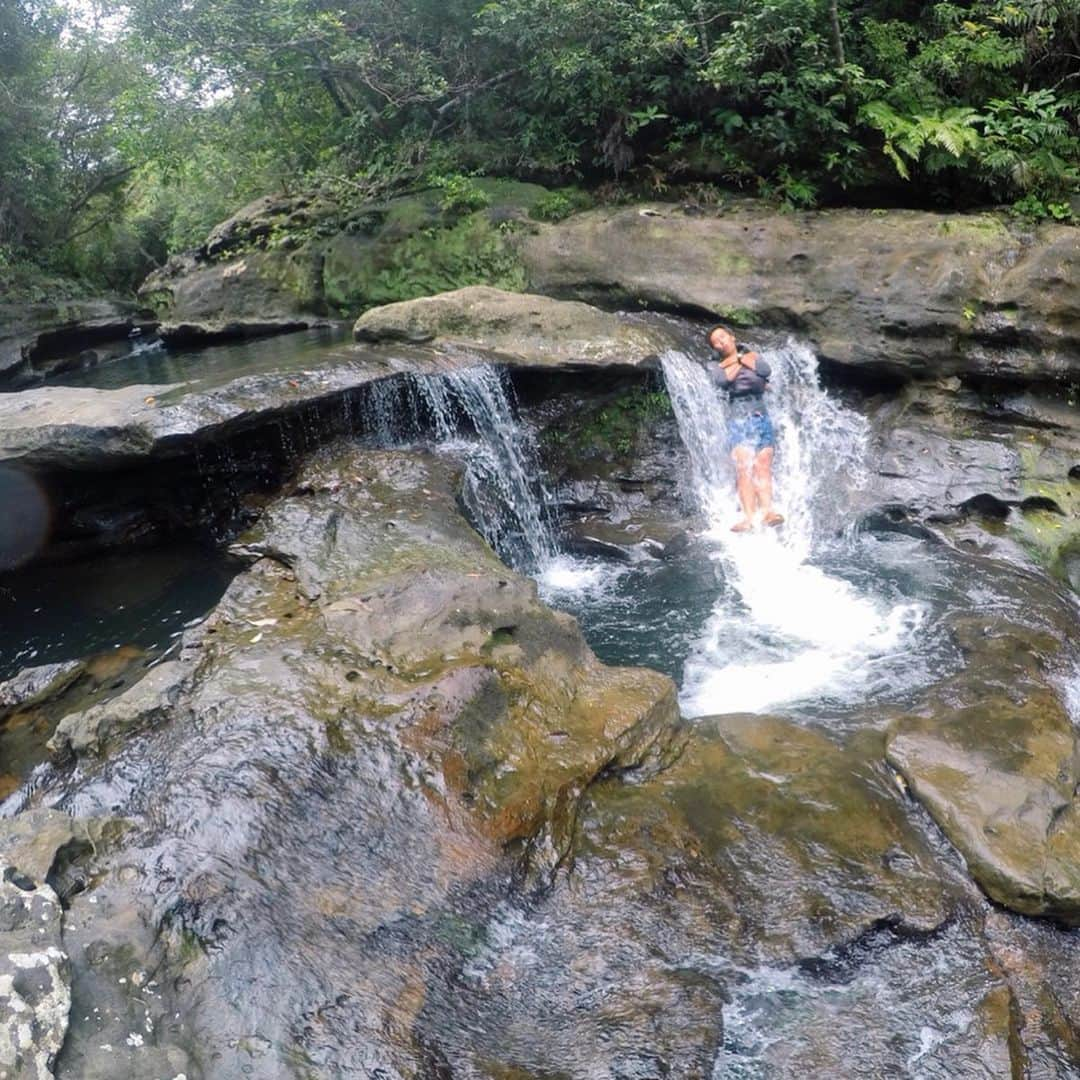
34, 700
618, 472
988, 471
383, 810
993, 756
784, 843
35, 973
378, 738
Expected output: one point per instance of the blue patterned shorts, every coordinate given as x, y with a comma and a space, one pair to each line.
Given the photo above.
751, 428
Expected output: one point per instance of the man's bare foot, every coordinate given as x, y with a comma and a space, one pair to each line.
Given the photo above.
742, 526
773, 518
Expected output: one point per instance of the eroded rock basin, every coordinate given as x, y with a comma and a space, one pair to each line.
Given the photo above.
384, 813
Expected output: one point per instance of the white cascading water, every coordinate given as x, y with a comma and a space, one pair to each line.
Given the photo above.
503, 491
785, 630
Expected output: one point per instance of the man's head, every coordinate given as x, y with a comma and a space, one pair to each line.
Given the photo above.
721, 339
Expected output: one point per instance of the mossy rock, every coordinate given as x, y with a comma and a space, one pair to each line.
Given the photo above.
363, 272
1048, 521
413, 246
782, 841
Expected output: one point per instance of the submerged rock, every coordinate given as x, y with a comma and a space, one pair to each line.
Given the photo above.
33, 685
779, 844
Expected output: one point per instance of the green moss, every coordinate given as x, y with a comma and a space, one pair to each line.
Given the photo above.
559, 205
1053, 539
737, 316
730, 263
359, 274
511, 194
976, 228
159, 299
188, 948
298, 274
614, 428
335, 736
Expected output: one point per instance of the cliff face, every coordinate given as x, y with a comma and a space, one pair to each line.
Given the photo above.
893, 293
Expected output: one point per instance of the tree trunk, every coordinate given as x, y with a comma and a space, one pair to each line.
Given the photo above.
837, 39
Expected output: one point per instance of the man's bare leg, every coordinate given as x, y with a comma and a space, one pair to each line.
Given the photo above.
743, 456
762, 478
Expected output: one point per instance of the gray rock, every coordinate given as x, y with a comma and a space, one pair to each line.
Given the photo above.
207, 333
378, 659
35, 972
905, 293
32, 685
988, 473
993, 755
520, 328
148, 701
35, 979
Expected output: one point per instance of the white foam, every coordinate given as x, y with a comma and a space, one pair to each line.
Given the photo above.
566, 575
786, 630
1071, 695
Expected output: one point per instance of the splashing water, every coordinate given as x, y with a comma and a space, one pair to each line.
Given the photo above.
785, 630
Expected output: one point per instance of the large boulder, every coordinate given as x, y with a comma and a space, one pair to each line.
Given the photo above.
897, 293
992, 753
521, 328
893, 293
284, 259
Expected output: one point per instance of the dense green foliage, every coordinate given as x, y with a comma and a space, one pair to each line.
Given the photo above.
124, 138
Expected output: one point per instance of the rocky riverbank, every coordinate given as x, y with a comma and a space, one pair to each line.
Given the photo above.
383, 811
304, 842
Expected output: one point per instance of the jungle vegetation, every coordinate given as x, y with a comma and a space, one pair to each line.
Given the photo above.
128, 129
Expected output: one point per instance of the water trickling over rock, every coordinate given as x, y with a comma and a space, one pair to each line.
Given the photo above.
472, 411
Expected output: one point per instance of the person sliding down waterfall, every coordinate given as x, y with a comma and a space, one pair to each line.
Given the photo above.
745, 377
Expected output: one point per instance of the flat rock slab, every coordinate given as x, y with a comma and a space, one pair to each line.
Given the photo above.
534, 330
60, 427
77, 428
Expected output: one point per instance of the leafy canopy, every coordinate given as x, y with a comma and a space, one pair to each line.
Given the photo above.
128, 130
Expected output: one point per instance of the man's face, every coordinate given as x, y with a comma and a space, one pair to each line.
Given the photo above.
721, 340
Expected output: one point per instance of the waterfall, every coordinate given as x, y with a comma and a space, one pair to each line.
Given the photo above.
472, 411
785, 629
